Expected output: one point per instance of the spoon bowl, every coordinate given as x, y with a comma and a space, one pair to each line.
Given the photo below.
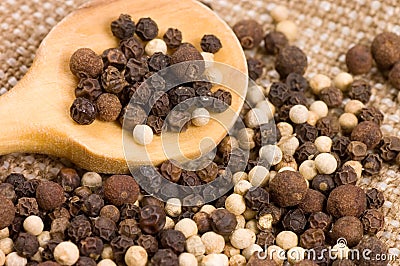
35, 113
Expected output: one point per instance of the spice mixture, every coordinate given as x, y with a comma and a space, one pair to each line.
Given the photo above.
297, 192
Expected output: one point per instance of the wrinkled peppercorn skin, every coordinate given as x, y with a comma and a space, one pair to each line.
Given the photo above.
83, 111
152, 219
223, 222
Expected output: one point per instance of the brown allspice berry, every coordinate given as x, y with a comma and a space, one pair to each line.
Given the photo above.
385, 49
49, 195
306, 262
261, 259
314, 201
274, 41
203, 222
347, 200
188, 53
349, 228
108, 107
368, 133
373, 221
50, 263
312, 238
288, 188
110, 212
7, 212
85, 63
394, 76
343, 262
120, 189
291, 59
249, 32
359, 59
375, 249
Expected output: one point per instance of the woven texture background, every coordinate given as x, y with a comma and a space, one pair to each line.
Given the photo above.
326, 30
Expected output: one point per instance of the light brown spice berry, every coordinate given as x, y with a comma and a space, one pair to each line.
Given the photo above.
7, 212
359, 59
349, 228
291, 59
120, 189
249, 33
274, 42
85, 63
49, 195
314, 201
385, 49
347, 200
108, 107
288, 188
368, 133
394, 76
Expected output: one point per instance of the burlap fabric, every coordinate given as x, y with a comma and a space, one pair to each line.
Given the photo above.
326, 30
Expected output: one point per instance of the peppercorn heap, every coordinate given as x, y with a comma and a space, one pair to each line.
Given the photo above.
108, 82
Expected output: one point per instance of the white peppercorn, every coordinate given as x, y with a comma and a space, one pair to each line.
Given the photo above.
289, 28
298, 114
230, 251
200, 117
187, 226
195, 246
143, 134
342, 81
187, 259
308, 169
169, 223
6, 245
4, 233
242, 238
285, 129
277, 254
208, 59
320, 108
107, 253
155, 46
207, 208
325, 163
237, 260
258, 176
286, 240
348, 122
252, 225
136, 256
33, 224
354, 107
272, 154
319, 82
357, 166
323, 143
13, 259
254, 95
255, 117
247, 252
38, 255
279, 13
235, 204
173, 207
213, 242
106, 262
288, 144
295, 254
267, 107
66, 253
91, 180
2, 258
287, 168
245, 138
242, 187
43, 238
312, 118
215, 260
265, 221
249, 214
239, 176
241, 221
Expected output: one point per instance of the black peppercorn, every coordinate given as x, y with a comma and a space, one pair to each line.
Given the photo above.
389, 148
256, 198
346, 175
255, 68
203, 222
320, 220
79, 228
129, 228
27, 206
173, 38
220, 102
375, 198
165, 257
307, 151
91, 247
340, 145
275, 41
173, 239
278, 93
88, 88
265, 239
295, 221
372, 114
123, 27
136, 69
306, 132
152, 219
208, 173
83, 111
159, 61
132, 48
7, 191
372, 164
360, 90
69, 179
290, 59
146, 29
26, 245
178, 121
373, 221
15, 179
312, 238
332, 96
104, 228
210, 44
114, 57
120, 245
328, 126
223, 222
82, 261
92, 205
249, 32
357, 150
130, 211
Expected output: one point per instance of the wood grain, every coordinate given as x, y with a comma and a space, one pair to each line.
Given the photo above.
35, 113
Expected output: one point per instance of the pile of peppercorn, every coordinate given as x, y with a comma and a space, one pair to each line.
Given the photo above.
108, 82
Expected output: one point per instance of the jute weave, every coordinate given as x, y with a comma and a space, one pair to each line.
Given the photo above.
326, 30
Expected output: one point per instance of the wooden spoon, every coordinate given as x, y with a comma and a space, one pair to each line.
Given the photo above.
35, 113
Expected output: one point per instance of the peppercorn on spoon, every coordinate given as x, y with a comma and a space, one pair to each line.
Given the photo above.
35, 113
